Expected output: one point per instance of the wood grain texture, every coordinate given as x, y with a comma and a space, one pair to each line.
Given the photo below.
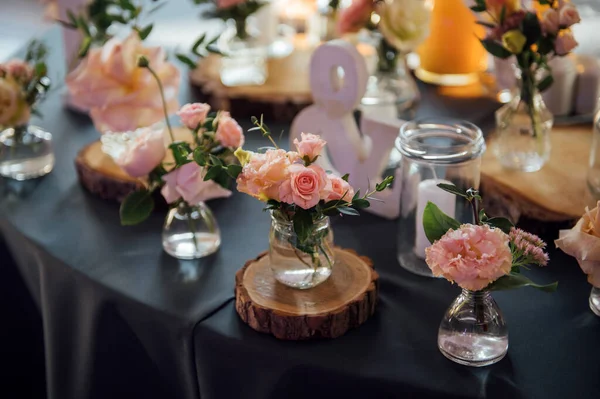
101, 176
557, 194
345, 301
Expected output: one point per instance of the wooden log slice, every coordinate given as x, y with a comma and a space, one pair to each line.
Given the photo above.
554, 197
344, 301
101, 176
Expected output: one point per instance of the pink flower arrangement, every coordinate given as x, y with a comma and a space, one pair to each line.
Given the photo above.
187, 183
471, 256
486, 255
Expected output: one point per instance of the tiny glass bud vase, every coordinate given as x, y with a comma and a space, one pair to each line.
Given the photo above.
191, 232
300, 265
434, 151
244, 62
25, 152
595, 300
473, 331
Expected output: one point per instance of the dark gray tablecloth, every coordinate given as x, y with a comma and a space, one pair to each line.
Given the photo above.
120, 318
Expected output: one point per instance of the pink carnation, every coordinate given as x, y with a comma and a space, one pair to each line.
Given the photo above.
472, 256
305, 186
194, 114
264, 173
310, 146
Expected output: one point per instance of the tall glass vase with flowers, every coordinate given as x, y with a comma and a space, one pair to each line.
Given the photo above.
301, 196
483, 257
523, 125
25, 150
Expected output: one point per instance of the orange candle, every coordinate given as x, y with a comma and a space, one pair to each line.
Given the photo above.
452, 54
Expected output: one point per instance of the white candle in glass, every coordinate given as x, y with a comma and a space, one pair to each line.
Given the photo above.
428, 191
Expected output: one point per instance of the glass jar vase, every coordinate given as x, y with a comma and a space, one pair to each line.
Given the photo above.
595, 300
299, 264
593, 173
434, 151
244, 61
190, 232
25, 152
522, 138
473, 331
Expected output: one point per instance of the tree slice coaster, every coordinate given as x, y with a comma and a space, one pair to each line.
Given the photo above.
344, 301
555, 195
281, 97
101, 176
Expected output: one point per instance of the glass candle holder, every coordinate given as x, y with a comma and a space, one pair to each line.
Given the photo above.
434, 150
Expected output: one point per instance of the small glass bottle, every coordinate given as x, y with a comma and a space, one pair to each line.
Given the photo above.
595, 300
25, 152
300, 265
473, 331
190, 232
434, 150
593, 173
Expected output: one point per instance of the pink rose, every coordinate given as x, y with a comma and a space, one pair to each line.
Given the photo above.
340, 189
550, 21
355, 17
565, 43
229, 3
229, 133
471, 256
264, 173
305, 186
144, 152
14, 110
194, 114
19, 70
187, 182
310, 146
568, 16
120, 95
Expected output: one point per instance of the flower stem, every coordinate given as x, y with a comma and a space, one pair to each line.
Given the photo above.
191, 225
164, 102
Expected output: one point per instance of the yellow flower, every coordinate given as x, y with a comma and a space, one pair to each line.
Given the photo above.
514, 41
242, 156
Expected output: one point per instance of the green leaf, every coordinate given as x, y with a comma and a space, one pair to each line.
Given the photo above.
85, 46
126, 5
384, 184
482, 216
486, 24
215, 161
345, 177
452, 189
136, 207
186, 60
348, 211
478, 8
40, 69
436, 223
234, 171
360, 203
531, 28
181, 151
302, 224
501, 223
72, 18
198, 43
144, 32
200, 156
212, 172
502, 15
545, 83
495, 48
545, 45
513, 280
356, 195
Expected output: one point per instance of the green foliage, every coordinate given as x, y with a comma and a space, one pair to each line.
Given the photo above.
303, 224
136, 207
500, 223
436, 223
517, 280
545, 83
181, 152
495, 48
200, 49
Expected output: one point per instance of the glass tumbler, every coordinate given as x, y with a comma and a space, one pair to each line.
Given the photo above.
434, 150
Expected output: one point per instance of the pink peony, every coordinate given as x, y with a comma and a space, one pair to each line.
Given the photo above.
310, 146
187, 182
193, 115
120, 95
264, 173
229, 133
340, 189
565, 43
19, 70
144, 153
550, 22
355, 17
305, 186
229, 3
568, 16
471, 256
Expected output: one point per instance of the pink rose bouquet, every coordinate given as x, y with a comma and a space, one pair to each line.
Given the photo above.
22, 84
487, 255
297, 189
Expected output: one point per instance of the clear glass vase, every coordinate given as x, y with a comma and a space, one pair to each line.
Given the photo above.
25, 152
473, 331
190, 232
244, 61
593, 173
523, 128
391, 85
433, 151
300, 264
595, 300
